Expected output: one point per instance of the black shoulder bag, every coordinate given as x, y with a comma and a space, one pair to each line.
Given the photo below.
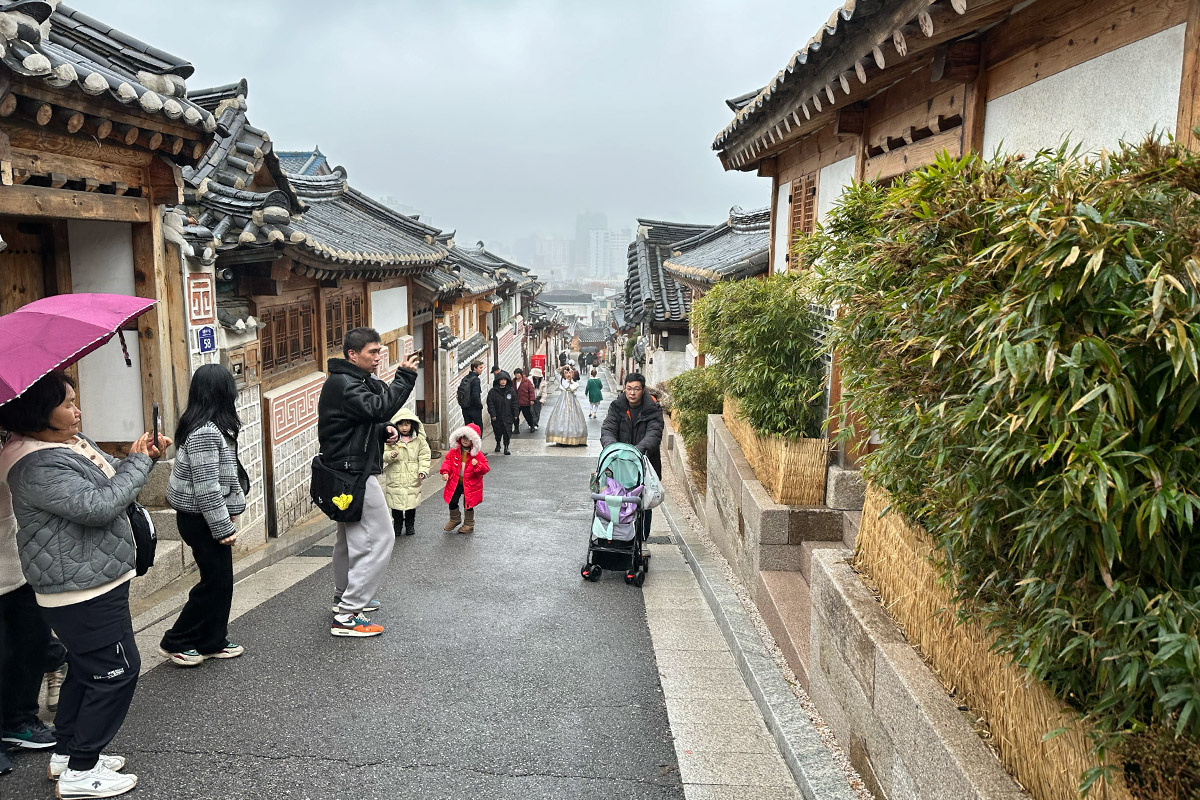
145, 540
336, 490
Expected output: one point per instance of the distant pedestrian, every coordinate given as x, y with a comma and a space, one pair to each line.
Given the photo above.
539, 395
470, 395
636, 418
502, 408
595, 394
525, 395
566, 424
353, 421
463, 469
77, 552
207, 489
405, 465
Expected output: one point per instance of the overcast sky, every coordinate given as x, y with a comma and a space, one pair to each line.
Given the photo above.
498, 118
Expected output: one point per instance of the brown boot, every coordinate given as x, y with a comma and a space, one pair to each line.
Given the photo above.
469, 523
455, 519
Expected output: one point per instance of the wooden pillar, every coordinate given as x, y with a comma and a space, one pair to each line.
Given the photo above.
178, 329
429, 371
1189, 84
975, 108
154, 345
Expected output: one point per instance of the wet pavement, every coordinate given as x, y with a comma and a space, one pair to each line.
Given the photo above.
501, 673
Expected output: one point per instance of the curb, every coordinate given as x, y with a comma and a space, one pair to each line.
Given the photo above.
801, 747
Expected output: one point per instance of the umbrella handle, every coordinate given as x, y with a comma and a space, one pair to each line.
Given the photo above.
124, 347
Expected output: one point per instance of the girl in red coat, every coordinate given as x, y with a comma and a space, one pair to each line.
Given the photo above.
463, 469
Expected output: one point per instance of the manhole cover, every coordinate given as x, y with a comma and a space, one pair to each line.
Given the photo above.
658, 540
320, 551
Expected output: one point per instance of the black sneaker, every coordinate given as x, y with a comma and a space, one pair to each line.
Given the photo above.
33, 736
5, 764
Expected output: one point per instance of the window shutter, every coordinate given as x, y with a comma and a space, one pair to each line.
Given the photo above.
803, 202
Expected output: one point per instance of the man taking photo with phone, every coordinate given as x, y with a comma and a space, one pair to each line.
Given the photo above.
353, 423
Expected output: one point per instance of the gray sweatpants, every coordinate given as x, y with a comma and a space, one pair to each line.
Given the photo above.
363, 551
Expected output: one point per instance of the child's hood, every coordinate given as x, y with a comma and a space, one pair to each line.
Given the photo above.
472, 433
407, 414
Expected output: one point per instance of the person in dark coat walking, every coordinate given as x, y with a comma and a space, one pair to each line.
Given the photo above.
470, 396
525, 397
502, 408
636, 418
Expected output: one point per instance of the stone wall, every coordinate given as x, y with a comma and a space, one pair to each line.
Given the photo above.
252, 527
667, 364
904, 735
291, 439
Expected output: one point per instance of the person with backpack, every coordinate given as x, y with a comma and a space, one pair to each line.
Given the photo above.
353, 420
470, 396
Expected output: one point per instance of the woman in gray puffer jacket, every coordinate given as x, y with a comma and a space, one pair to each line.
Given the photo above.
77, 553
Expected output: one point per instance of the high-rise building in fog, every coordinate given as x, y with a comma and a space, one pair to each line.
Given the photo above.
606, 252
585, 224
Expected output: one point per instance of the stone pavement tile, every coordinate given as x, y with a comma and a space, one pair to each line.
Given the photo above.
730, 712
688, 639
719, 737
711, 684
673, 615
701, 792
660, 564
734, 769
691, 659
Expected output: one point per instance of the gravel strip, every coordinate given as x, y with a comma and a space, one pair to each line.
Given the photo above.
675, 489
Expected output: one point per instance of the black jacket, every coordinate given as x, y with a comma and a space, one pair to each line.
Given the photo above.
502, 403
352, 413
476, 392
646, 434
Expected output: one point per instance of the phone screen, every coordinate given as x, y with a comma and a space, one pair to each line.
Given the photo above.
154, 414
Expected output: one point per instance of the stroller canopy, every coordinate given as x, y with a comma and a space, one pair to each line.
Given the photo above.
623, 462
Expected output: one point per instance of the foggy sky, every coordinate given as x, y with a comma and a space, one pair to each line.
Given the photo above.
498, 118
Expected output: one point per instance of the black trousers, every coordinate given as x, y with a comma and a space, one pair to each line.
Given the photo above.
537, 413
402, 519
454, 498
102, 673
203, 623
473, 415
501, 431
24, 656
644, 524
527, 413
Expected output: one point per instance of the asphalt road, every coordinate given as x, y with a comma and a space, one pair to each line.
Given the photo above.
501, 675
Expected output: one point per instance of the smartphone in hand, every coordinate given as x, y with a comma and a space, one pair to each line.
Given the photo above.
154, 422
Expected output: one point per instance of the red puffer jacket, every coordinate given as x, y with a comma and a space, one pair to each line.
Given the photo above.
476, 467
525, 393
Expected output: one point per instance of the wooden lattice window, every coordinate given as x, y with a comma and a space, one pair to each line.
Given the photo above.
804, 209
343, 312
289, 337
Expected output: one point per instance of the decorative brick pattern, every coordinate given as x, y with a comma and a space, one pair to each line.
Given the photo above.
296, 411
250, 451
202, 305
292, 460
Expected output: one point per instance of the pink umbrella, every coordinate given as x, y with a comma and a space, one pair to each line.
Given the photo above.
57, 331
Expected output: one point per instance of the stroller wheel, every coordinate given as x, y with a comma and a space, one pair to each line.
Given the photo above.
629, 578
591, 572
639, 577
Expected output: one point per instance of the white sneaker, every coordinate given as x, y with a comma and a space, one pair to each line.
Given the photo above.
58, 764
99, 781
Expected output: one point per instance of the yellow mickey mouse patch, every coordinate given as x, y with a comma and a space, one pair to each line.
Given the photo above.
343, 501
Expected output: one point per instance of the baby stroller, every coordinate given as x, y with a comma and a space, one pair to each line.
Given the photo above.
618, 485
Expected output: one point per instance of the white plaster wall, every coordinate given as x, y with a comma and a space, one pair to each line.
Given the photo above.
830, 184
782, 210
389, 309
1118, 96
667, 364
110, 393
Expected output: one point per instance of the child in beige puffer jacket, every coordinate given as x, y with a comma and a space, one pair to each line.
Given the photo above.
405, 465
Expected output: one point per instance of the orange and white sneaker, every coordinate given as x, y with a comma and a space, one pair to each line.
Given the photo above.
354, 625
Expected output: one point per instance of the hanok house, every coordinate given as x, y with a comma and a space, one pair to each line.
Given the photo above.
546, 324
282, 265
589, 342
655, 302
94, 125
883, 88
737, 248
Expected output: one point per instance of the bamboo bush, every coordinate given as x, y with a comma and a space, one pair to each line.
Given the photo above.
1022, 335
695, 394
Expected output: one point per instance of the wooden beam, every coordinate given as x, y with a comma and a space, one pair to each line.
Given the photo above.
38, 111
8, 105
768, 167
72, 120
126, 134
899, 161
98, 107
1189, 86
974, 111
957, 62
35, 201
887, 124
852, 120
40, 163
149, 280
98, 127
1125, 23
6, 161
164, 182
44, 141
177, 318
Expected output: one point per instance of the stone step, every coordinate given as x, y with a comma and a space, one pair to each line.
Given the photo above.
786, 606
806, 553
815, 524
169, 564
850, 530
164, 523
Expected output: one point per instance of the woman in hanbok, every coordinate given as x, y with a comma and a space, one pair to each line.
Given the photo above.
567, 424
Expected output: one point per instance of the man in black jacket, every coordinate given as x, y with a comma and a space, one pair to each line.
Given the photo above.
352, 425
473, 410
636, 418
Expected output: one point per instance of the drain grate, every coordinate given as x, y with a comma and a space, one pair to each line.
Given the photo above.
658, 540
319, 551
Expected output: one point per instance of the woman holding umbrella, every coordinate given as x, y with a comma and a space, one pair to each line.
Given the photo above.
77, 553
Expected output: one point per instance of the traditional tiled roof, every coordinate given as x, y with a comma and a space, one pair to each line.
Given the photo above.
545, 315
591, 333
63, 47
650, 293
737, 248
305, 162
440, 282
483, 271
568, 296
242, 198
860, 40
